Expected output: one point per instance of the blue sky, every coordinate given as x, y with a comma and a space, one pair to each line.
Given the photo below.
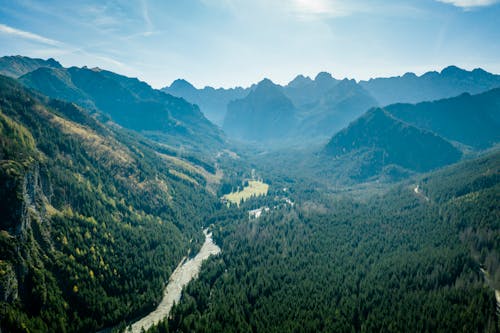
238, 42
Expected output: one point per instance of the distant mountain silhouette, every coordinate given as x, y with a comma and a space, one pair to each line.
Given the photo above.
303, 91
409, 88
265, 114
16, 66
391, 141
335, 108
471, 120
325, 105
128, 102
212, 102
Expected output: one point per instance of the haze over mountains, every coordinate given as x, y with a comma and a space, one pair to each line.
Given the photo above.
128, 102
265, 114
392, 141
304, 111
325, 105
410, 88
377, 214
213, 101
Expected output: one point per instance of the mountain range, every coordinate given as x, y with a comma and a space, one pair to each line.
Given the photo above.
325, 105
106, 185
213, 102
129, 103
450, 82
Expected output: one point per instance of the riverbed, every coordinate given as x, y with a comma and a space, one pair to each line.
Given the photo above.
183, 274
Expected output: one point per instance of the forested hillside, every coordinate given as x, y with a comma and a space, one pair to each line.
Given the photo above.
94, 219
392, 141
402, 261
473, 120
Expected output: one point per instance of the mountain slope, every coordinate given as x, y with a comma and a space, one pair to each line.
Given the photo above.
130, 103
335, 109
451, 81
266, 114
16, 66
212, 102
94, 218
471, 120
394, 142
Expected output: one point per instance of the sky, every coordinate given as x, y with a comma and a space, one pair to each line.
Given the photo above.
226, 43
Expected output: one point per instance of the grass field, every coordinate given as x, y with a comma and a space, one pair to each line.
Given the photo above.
254, 188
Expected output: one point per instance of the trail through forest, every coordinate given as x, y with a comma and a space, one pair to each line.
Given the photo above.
185, 272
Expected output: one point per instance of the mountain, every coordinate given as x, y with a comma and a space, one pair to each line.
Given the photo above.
130, 103
323, 108
93, 218
335, 109
303, 91
212, 102
410, 88
473, 120
391, 141
16, 66
266, 114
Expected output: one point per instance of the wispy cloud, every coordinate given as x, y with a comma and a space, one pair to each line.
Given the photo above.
56, 47
5, 29
467, 4
147, 18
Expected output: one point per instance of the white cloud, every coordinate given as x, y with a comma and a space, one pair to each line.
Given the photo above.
469, 3
28, 35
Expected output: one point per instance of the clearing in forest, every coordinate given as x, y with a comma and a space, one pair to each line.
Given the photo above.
254, 188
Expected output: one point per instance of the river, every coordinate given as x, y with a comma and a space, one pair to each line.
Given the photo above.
183, 274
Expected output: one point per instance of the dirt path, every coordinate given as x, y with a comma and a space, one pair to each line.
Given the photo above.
185, 272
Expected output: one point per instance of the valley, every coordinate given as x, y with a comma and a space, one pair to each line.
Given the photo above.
307, 207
